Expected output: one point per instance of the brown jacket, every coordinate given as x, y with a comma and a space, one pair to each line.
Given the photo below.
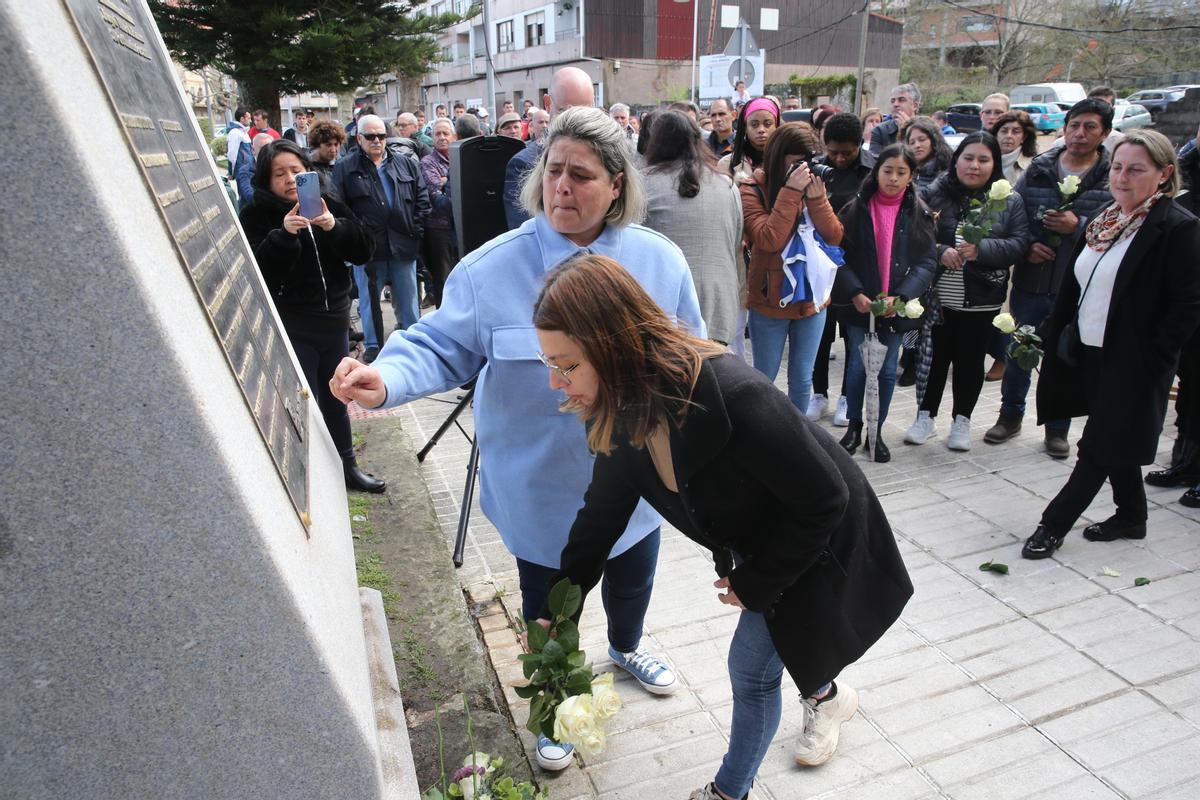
768, 233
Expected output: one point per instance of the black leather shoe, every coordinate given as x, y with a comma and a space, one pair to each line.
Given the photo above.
1191, 498
882, 454
1187, 474
1042, 544
1057, 445
1113, 528
361, 481
853, 438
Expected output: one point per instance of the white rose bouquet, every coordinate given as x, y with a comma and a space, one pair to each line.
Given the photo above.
1068, 187
1026, 345
978, 222
566, 703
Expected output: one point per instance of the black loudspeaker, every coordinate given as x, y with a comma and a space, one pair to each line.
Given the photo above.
477, 168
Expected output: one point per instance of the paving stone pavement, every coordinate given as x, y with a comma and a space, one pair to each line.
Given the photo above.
1052, 681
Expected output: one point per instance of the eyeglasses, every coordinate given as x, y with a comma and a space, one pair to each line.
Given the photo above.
563, 372
374, 137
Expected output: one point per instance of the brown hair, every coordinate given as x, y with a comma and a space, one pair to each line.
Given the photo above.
325, 132
646, 364
789, 139
1029, 143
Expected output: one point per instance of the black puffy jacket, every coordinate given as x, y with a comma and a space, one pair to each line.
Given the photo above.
985, 279
1038, 187
304, 279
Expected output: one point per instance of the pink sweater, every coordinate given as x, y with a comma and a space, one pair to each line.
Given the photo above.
884, 211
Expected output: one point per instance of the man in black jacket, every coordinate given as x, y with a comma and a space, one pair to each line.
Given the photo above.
386, 191
843, 151
1037, 276
720, 140
906, 104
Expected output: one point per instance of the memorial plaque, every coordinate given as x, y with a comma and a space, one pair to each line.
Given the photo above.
181, 177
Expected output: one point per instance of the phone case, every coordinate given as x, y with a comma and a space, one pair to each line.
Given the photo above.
308, 189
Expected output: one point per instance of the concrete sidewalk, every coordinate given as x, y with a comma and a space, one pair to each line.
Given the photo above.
1053, 681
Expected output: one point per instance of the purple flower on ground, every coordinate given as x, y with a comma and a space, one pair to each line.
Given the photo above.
466, 772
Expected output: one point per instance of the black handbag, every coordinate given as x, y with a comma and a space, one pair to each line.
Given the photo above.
1069, 347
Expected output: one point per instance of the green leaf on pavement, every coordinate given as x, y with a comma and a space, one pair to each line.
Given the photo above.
994, 566
1140, 581
1109, 572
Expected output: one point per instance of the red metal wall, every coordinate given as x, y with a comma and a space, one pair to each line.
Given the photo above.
674, 29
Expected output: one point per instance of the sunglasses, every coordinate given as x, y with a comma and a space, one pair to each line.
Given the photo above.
563, 372
374, 137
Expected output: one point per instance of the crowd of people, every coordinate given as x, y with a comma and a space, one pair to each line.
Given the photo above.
645, 250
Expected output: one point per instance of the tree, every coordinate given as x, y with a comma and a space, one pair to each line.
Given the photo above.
274, 47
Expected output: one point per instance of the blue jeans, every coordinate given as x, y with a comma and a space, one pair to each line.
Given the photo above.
803, 337
625, 590
365, 315
755, 672
856, 372
402, 276
1027, 308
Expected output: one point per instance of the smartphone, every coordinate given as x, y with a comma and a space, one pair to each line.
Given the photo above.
308, 189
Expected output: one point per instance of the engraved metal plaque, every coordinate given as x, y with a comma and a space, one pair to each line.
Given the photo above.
124, 44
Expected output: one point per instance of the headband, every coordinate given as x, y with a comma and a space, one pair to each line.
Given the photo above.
762, 104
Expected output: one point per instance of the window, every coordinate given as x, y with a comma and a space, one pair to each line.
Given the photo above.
535, 29
504, 36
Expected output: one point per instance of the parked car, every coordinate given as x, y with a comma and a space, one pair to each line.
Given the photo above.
797, 115
1154, 100
1046, 117
1048, 93
1131, 115
964, 117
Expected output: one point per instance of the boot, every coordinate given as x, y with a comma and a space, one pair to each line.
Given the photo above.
1004, 429
853, 438
360, 481
882, 454
1185, 473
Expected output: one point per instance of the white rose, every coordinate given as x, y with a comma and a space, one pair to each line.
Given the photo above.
1068, 185
1004, 323
913, 309
574, 718
1000, 190
592, 743
605, 699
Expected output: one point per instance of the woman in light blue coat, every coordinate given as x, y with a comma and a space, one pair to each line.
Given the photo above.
583, 194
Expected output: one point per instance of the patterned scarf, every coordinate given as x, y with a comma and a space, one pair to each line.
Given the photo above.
1108, 228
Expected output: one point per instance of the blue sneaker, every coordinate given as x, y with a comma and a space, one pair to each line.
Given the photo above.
654, 676
553, 756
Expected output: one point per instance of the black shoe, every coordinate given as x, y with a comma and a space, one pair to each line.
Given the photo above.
882, 454
1042, 544
1113, 528
1191, 498
1004, 429
370, 354
361, 481
1057, 445
853, 438
907, 378
1179, 475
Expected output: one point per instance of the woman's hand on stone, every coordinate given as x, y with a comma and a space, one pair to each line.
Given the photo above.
354, 380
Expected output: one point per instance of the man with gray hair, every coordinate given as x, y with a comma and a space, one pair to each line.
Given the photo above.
386, 192
571, 86
620, 114
406, 128
906, 104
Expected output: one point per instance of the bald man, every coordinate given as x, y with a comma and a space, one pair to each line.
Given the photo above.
570, 86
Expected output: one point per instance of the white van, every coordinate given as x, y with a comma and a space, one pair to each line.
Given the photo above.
1048, 93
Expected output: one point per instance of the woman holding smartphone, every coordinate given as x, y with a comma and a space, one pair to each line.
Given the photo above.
303, 261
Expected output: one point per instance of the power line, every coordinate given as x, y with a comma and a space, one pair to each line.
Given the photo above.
1049, 26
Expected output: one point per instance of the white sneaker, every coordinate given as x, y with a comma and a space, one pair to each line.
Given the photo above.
823, 726
840, 417
553, 756
709, 792
960, 434
818, 404
922, 430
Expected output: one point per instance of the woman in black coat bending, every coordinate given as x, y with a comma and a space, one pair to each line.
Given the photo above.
1114, 336
801, 542
304, 264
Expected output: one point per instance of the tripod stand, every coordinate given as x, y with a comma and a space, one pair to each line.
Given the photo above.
464, 511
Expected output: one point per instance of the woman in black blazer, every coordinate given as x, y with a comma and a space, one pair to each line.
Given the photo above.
1122, 315
801, 543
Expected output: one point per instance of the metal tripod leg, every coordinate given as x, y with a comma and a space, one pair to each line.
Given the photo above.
463, 404
464, 512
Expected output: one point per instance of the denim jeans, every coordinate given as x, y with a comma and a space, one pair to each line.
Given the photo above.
365, 315
625, 590
401, 275
1027, 308
856, 372
803, 336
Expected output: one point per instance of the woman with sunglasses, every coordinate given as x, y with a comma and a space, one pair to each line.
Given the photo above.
803, 547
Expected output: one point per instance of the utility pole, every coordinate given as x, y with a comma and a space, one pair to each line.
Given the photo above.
862, 57
490, 71
743, 27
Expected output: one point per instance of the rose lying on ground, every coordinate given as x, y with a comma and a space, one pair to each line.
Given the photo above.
1004, 323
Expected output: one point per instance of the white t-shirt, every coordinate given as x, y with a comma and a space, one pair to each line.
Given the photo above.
1093, 311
